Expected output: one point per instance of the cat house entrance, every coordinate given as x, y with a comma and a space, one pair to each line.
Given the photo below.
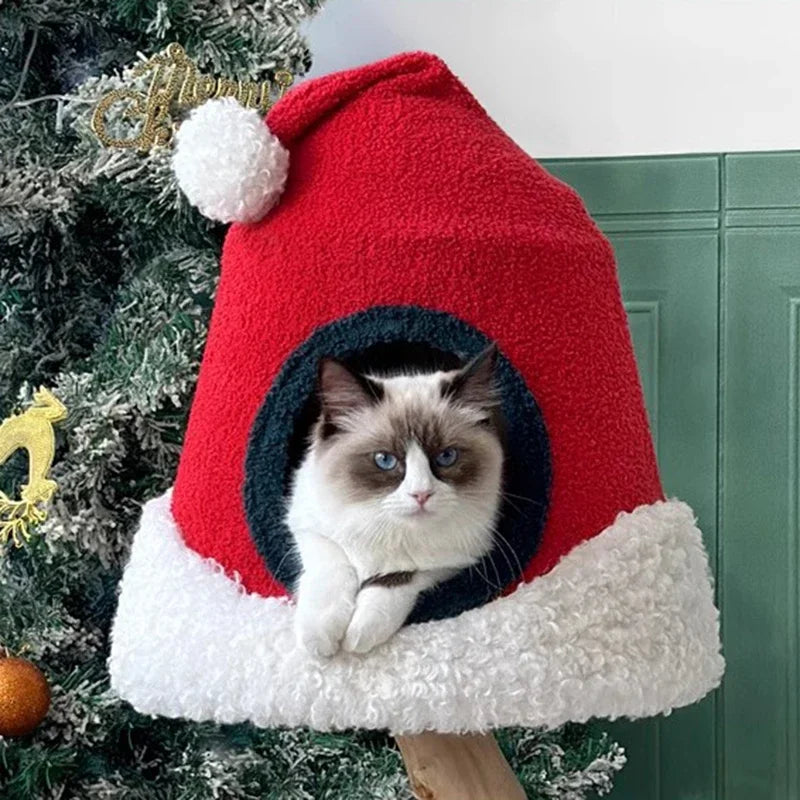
385, 339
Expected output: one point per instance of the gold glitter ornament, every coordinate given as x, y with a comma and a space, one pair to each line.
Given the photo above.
24, 696
176, 83
32, 430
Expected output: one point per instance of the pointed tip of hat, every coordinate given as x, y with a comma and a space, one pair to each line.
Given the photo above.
228, 163
312, 101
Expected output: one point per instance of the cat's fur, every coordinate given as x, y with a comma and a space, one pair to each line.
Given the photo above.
370, 540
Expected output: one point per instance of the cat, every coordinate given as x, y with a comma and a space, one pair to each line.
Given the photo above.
399, 489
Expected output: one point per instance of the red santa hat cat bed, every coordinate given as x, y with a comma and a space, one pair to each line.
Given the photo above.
387, 233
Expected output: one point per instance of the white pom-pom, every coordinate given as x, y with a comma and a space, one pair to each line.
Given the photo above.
228, 163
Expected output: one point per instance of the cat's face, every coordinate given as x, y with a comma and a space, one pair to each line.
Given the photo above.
419, 451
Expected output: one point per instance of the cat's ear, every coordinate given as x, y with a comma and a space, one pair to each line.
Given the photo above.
341, 390
474, 383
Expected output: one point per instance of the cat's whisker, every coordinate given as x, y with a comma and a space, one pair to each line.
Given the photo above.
503, 494
463, 543
503, 546
521, 497
378, 531
490, 558
510, 502
483, 575
291, 552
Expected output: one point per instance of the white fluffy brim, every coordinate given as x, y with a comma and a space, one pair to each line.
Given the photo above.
624, 625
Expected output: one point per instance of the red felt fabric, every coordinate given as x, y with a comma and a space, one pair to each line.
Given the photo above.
402, 190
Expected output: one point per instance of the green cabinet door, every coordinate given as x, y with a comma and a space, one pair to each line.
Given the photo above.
662, 217
670, 288
758, 576
709, 261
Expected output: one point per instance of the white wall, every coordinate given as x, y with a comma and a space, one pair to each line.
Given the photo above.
598, 77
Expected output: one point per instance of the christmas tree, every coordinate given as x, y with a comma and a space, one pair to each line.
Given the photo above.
107, 278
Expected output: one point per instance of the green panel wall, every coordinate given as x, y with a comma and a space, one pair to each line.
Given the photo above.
708, 249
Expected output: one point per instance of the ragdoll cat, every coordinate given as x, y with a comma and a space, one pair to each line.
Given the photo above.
399, 490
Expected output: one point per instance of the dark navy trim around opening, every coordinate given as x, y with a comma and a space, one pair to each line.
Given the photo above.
283, 421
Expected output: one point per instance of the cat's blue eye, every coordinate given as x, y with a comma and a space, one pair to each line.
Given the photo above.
385, 460
447, 457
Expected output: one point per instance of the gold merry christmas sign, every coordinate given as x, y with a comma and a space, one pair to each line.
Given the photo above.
176, 83
32, 430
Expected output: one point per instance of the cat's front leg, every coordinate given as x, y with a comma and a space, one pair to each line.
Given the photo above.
325, 595
383, 606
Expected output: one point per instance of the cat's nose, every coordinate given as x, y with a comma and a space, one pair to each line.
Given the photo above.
421, 497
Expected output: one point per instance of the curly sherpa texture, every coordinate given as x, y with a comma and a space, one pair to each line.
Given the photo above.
624, 625
228, 163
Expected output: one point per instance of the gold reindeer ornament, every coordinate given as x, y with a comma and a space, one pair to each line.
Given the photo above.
31, 430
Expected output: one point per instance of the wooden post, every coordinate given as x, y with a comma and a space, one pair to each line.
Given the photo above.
444, 766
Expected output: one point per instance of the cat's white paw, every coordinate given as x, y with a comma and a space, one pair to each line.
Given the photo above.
364, 634
370, 626
325, 606
321, 640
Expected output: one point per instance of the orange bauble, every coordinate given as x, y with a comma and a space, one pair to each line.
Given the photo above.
24, 697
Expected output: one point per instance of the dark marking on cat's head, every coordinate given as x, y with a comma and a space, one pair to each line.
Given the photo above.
342, 391
474, 383
364, 478
435, 431
373, 415
465, 472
